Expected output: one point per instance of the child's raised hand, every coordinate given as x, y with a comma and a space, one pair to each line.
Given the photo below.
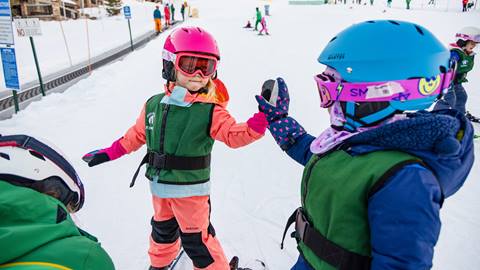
274, 99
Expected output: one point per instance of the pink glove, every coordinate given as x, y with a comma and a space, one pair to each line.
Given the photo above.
96, 157
258, 122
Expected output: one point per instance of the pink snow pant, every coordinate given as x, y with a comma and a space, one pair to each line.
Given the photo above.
186, 222
264, 28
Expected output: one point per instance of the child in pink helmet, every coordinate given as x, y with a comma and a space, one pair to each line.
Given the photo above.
179, 127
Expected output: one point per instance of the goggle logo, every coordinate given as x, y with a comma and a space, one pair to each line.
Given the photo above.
426, 86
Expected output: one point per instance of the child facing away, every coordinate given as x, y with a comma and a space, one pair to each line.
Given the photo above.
179, 127
462, 54
374, 182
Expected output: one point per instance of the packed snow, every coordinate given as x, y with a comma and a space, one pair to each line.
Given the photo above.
255, 188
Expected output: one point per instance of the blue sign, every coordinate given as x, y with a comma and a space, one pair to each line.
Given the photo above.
126, 12
10, 71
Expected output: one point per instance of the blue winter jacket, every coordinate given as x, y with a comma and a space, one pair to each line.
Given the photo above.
157, 14
404, 215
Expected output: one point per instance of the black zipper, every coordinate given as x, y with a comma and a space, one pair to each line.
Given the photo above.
162, 129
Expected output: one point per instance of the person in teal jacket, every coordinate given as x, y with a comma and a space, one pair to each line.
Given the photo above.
38, 191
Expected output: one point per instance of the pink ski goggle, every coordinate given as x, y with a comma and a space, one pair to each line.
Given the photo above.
399, 90
191, 64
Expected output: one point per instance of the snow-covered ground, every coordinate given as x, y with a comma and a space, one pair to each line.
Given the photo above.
254, 189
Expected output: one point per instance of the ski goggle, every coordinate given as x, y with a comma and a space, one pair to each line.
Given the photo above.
399, 90
191, 64
474, 38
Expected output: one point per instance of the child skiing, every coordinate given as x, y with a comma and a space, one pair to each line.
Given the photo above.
263, 22
157, 17
166, 11
179, 128
374, 181
462, 54
258, 18
39, 189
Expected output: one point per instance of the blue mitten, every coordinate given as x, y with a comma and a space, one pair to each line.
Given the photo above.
274, 102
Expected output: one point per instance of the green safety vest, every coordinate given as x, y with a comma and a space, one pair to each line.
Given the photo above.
335, 190
183, 134
464, 65
36, 232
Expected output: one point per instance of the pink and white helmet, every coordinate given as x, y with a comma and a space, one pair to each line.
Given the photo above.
186, 39
469, 33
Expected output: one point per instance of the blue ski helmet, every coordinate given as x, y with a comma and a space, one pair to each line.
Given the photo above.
382, 51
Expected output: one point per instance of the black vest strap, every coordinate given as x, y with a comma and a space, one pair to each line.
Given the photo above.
171, 162
323, 248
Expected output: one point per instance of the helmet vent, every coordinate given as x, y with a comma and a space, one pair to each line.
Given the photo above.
394, 22
419, 30
370, 21
332, 39
185, 29
5, 156
37, 155
199, 29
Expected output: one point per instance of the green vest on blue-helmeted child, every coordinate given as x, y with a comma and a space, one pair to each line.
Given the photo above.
335, 190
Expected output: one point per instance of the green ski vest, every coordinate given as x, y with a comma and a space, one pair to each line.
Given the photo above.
464, 65
36, 232
182, 133
335, 191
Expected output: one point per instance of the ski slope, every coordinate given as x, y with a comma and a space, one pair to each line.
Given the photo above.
255, 188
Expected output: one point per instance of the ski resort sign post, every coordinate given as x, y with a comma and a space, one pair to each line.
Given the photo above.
29, 28
128, 16
7, 51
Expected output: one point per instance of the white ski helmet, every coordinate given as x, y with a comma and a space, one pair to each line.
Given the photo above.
27, 162
469, 33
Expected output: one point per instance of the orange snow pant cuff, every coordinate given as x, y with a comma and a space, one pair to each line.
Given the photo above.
158, 25
186, 222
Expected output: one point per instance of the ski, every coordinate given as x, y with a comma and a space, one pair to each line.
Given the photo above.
177, 259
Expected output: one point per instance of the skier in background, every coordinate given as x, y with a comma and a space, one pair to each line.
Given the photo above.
172, 12
166, 11
374, 182
263, 23
462, 54
39, 189
179, 127
157, 17
258, 18
182, 10
464, 5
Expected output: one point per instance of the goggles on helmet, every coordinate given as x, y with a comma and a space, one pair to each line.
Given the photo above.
191, 64
398, 90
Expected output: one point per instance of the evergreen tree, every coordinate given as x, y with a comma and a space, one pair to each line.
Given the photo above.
113, 7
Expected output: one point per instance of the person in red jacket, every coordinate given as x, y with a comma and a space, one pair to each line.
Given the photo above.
166, 10
464, 3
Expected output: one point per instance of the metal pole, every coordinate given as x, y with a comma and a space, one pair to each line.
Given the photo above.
130, 31
38, 66
66, 44
15, 100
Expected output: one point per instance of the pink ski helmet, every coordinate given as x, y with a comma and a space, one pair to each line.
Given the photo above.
186, 39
